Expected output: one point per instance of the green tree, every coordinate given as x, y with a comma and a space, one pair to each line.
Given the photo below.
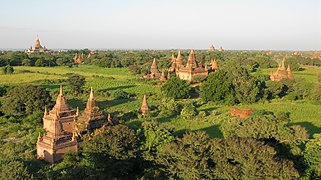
312, 157
25, 100
176, 88
316, 92
8, 70
112, 151
153, 136
247, 158
14, 170
187, 158
76, 82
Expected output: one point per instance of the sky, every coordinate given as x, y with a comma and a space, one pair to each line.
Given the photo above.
162, 24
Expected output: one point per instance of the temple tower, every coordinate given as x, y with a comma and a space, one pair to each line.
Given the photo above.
92, 118
144, 109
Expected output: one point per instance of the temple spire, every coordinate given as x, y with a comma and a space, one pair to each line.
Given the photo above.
144, 109
60, 90
91, 93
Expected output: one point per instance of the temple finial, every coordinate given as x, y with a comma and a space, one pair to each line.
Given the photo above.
91, 93
60, 91
77, 111
39, 136
46, 111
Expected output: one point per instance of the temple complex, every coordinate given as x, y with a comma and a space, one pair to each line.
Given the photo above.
192, 68
221, 49
79, 58
144, 108
282, 73
59, 135
37, 48
92, 118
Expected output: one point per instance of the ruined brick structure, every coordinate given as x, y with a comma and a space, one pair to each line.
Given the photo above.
242, 113
154, 73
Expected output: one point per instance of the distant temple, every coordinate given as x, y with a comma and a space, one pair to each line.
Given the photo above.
154, 73
37, 48
221, 49
188, 72
79, 58
282, 73
192, 68
212, 48
62, 125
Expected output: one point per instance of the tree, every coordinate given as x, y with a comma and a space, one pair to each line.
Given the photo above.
312, 157
26, 62
25, 100
14, 169
187, 158
247, 158
8, 70
176, 88
76, 82
218, 88
112, 151
153, 136
40, 63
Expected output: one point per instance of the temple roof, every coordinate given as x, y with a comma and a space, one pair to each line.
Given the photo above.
61, 104
179, 59
191, 62
144, 104
91, 102
154, 68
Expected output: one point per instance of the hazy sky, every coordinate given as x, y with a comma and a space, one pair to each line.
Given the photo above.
162, 24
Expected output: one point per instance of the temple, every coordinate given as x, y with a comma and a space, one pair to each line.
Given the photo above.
144, 108
282, 73
59, 135
211, 49
192, 68
62, 125
37, 48
79, 58
92, 118
154, 73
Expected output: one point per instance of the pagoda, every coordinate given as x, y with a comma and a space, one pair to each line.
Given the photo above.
37, 48
144, 109
60, 136
282, 73
92, 118
192, 68
154, 73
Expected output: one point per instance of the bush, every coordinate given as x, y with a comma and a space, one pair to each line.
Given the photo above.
176, 88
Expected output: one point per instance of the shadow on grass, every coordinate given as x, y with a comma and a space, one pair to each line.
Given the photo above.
77, 103
117, 88
166, 119
213, 131
109, 103
311, 128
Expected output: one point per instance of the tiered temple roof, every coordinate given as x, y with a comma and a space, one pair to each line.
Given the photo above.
92, 118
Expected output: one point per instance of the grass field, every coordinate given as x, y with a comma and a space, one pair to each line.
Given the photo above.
104, 80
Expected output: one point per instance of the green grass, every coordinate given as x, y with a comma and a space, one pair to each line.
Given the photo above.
108, 80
